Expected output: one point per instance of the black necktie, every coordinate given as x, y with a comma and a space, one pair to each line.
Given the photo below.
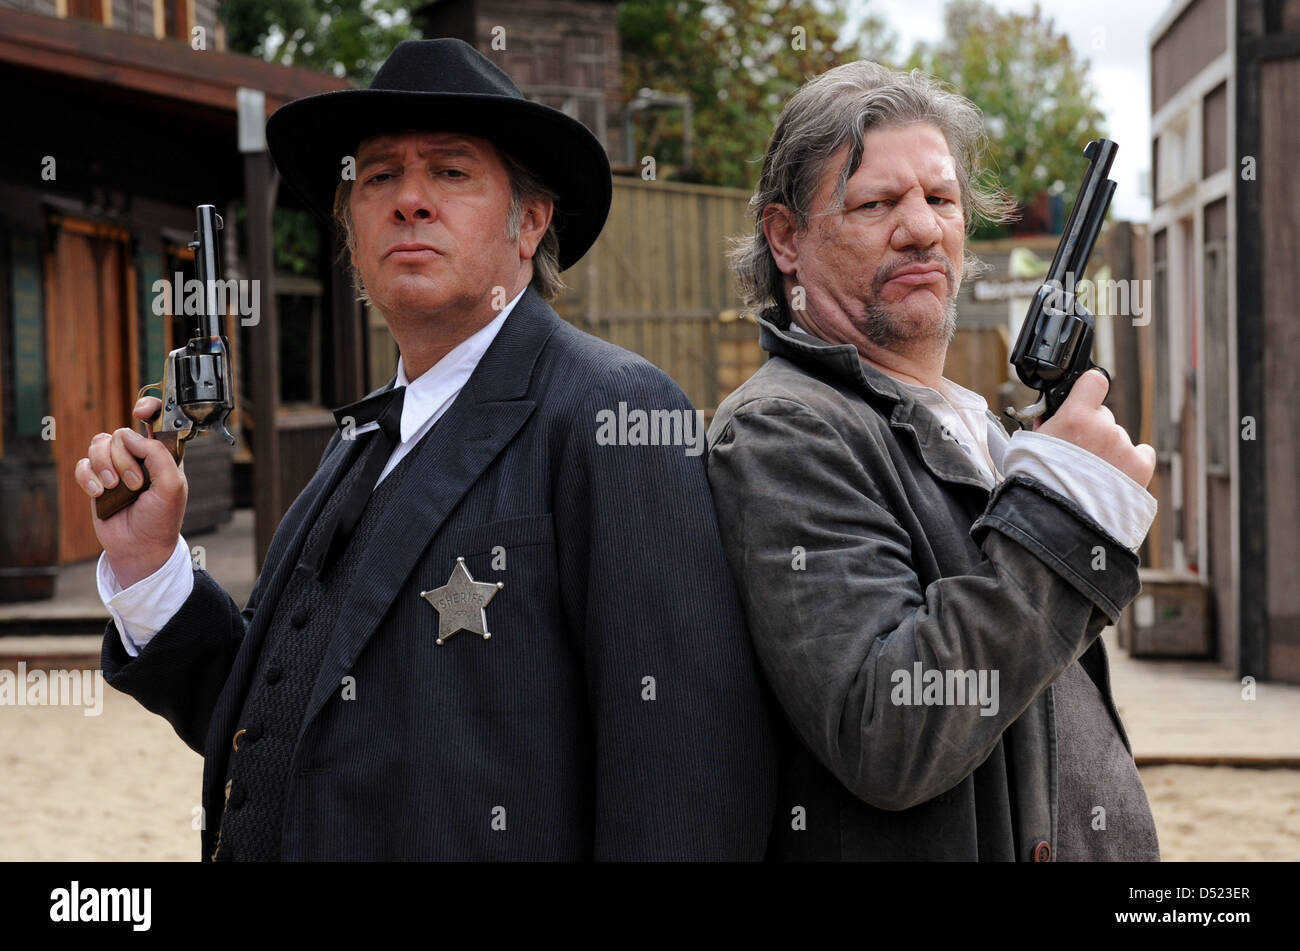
386, 409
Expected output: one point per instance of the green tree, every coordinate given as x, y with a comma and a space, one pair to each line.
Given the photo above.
344, 37
738, 61
1038, 103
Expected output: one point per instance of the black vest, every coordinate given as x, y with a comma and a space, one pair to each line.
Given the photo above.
258, 772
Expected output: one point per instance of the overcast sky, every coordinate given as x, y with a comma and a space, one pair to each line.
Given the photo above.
1119, 70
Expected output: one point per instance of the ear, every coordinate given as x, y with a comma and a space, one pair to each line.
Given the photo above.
533, 223
780, 230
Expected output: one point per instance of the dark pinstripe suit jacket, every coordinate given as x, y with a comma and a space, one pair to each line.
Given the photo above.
543, 742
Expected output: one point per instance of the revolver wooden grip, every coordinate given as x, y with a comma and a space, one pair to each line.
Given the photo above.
119, 496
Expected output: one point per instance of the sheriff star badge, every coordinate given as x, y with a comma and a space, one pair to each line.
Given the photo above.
460, 603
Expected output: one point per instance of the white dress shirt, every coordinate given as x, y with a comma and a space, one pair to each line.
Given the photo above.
143, 609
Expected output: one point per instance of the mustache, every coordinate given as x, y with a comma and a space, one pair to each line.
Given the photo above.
885, 274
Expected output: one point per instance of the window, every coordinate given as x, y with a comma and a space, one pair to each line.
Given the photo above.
97, 11
176, 17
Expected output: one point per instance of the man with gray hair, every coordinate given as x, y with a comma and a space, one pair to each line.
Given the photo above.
925, 593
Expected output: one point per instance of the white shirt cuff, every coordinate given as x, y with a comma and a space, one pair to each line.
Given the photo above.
144, 609
1115, 501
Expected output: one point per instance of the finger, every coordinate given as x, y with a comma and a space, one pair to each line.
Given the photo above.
163, 472
86, 478
125, 460
100, 460
1148, 454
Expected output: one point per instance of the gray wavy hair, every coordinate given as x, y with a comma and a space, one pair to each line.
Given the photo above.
838, 108
524, 187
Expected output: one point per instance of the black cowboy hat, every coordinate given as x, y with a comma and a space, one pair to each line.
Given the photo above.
446, 85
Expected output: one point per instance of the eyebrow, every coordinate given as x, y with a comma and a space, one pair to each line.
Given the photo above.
892, 188
883, 185
455, 150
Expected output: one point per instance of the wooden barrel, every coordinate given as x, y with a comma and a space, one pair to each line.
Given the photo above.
29, 529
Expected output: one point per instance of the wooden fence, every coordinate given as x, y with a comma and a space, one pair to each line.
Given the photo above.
657, 282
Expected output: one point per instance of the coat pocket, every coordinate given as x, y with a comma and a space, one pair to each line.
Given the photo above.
511, 533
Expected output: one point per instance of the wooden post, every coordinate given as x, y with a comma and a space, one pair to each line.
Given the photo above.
349, 335
260, 185
1252, 607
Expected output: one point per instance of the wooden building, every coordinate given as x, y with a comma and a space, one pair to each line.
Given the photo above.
564, 53
1225, 89
126, 115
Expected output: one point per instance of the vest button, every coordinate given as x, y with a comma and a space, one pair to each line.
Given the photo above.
273, 675
1042, 852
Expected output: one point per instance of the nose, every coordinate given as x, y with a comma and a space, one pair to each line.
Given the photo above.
414, 200
918, 224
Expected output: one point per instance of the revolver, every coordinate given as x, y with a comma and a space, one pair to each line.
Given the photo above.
1054, 347
197, 390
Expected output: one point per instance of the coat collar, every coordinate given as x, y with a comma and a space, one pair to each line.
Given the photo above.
941, 455
500, 374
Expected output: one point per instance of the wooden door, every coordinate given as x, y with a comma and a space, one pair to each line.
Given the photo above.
91, 344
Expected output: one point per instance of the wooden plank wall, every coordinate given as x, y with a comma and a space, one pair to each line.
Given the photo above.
657, 282
303, 436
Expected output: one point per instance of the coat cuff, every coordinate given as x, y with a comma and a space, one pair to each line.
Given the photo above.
122, 670
1064, 537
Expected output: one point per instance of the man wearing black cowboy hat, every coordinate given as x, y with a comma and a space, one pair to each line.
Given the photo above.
480, 631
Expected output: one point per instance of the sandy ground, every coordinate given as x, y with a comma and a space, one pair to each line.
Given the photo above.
122, 786
1224, 813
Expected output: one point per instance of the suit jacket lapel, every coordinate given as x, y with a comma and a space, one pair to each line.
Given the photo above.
480, 423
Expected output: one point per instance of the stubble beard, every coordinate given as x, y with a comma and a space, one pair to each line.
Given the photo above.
885, 328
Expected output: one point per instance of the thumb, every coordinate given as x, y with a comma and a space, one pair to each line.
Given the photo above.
146, 408
1089, 391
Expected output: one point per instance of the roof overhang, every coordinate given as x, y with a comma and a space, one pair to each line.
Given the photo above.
169, 68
